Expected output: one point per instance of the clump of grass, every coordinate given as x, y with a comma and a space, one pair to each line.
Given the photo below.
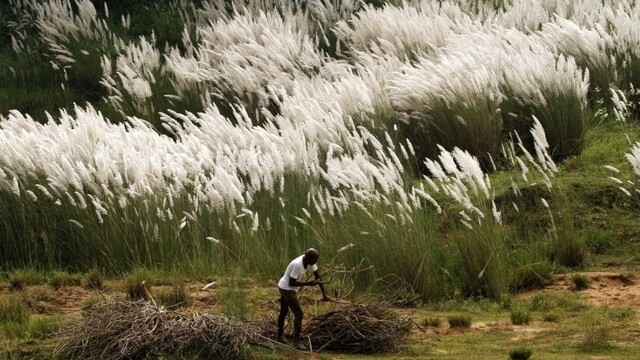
598, 241
137, 284
521, 353
431, 322
580, 282
596, 337
531, 276
505, 301
40, 328
520, 316
93, 279
459, 321
551, 317
59, 279
175, 296
234, 300
19, 279
13, 310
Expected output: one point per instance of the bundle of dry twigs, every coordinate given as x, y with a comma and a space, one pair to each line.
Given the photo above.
358, 328
133, 330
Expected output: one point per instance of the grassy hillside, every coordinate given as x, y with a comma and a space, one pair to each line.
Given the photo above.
446, 156
209, 137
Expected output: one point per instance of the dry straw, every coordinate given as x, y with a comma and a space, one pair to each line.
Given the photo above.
132, 330
358, 328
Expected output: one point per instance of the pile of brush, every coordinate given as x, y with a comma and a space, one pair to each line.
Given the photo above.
358, 328
135, 330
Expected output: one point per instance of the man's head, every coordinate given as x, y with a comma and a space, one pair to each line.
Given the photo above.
311, 256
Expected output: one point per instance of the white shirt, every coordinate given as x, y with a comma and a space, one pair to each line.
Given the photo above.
295, 270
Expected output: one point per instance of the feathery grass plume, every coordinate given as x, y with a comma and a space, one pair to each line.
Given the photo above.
482, 250
76, 35
588, 47
238, 60
319, 16
453, 102
408, 31
536, 84
135, 82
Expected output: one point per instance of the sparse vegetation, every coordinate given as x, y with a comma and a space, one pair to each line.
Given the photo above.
13, 310
596, 336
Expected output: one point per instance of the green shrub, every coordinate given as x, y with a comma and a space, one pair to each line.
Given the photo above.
521, 353
520, 317
459, 321
13, 310
580, 282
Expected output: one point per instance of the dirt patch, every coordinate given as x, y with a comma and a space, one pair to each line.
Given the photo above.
606, 289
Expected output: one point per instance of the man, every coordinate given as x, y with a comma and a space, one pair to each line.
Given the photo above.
289, 285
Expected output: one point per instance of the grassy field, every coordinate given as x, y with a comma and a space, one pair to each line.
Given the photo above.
469, 159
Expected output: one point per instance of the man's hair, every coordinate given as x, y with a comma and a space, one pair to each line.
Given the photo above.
311, 252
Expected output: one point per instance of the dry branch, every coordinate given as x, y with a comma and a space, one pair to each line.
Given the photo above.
358, 328
133, 330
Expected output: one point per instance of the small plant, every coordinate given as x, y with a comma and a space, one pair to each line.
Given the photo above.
59, 279
459, 321
13, 310
137, 284
521, 353
520, 317
580, 282
94, 279
596, 337
19, 279
431, 322
175, 296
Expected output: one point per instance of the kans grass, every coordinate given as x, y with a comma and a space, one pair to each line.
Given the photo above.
253, 132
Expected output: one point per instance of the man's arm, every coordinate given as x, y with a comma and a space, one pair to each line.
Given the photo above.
318, 281
295, 282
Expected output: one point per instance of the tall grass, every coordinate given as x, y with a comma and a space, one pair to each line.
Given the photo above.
287, 128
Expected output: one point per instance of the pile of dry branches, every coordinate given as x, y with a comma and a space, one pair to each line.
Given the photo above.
133, 330
358, 328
